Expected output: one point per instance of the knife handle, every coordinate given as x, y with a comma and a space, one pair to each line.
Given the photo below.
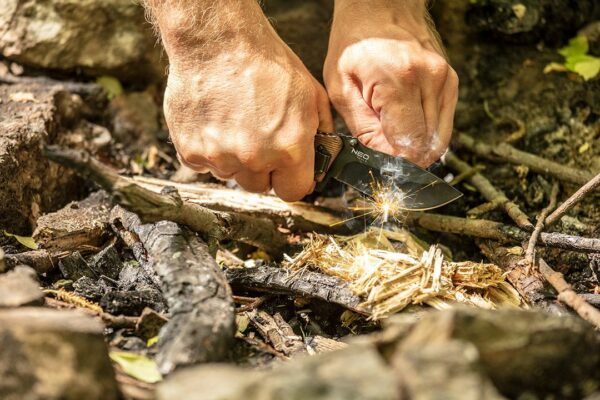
327, 148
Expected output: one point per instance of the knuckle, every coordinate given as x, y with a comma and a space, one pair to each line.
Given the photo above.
438, 67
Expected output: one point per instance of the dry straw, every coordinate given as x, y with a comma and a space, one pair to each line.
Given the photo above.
389, 279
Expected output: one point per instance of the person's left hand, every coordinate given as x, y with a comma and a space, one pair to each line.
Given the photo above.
386, 75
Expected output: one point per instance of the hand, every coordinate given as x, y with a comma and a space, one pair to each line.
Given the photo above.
386, 75
250, 111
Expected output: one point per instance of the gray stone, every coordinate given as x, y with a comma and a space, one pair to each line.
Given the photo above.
96, 37
48, 354
20, 287
356, 373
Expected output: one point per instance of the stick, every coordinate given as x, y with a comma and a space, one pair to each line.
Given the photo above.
112, 321
530, 286
152, 207
297, 217
574, 199
539, 225
491, 193
567, 295
538, 164
303, 284
486, 229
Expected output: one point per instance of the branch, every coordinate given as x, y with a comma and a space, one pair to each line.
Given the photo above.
493, 195
574, 199
567, 295
538, 164
539, 225
297, 283
152, 207
485, 229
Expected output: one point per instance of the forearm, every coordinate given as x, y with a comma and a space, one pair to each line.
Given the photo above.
193, 30
411, 15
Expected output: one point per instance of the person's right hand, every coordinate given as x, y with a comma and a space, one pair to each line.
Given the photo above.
249, 112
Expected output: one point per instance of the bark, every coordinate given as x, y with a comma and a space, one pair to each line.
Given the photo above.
168, 205
529, 285
295, 216
78, 226
33, 114
485, 229
301, 283
201, 325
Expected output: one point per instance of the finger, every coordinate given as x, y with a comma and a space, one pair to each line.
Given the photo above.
441, 139
432, 90
201, 168
403, 121
348, 100
324, 109
295, 181
254, 182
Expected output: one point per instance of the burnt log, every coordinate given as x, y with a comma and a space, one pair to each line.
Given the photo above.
201, 323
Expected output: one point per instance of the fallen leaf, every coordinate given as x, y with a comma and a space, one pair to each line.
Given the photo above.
583, 148
152, 341
577, 46
555, 67
140, 367
111, 86
242, 322
26, 241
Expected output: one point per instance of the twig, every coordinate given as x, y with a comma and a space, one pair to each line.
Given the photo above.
486, 229
113, 321
491, 193
530, 286
254, 304
539, 225
574, 199
538, 164
152, 207
567, 295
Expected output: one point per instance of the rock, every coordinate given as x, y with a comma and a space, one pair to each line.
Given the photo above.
48, 354
520, 351
33, 112
20, 287
96, 37
356, 373
150, 323
135, 119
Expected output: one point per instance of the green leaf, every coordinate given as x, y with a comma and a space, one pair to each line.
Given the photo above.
152, 341
588, 68
140, 367
26, 241
577, 46
111, 86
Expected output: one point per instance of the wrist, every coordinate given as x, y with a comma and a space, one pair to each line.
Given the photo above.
196, 31
355, 20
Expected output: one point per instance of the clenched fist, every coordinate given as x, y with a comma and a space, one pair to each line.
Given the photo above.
386, 75
244, 106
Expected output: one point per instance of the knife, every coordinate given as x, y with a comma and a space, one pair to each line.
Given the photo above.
344, 158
